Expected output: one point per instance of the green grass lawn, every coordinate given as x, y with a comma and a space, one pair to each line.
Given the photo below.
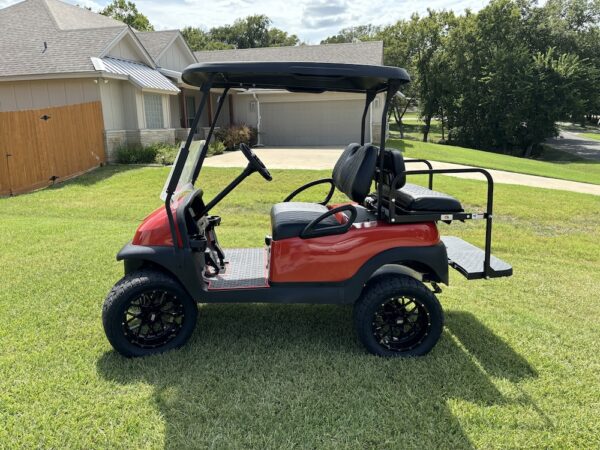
517, 365
413, 128
595, 136
583, 171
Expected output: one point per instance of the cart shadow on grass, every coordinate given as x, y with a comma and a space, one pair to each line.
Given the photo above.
272, 375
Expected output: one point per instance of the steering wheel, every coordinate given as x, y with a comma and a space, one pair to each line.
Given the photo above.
255, 162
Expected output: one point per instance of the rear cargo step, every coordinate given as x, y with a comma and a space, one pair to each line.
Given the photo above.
468, 260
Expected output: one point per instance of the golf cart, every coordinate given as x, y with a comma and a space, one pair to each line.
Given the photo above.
377, 251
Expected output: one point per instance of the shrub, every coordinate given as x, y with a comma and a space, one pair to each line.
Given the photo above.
234, 135
216, 148
135, 154
166, 154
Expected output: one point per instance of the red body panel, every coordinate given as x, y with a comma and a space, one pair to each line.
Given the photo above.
338, 258
155, 230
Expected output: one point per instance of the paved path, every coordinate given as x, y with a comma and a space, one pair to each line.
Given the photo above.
325, 158
576, 144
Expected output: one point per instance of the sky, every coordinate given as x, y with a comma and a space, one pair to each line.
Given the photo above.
310, 20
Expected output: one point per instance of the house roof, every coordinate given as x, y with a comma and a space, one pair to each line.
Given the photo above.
70, 17
139, 74
50, 37
157, 41
353, 53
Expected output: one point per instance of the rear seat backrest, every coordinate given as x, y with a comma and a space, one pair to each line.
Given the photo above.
393, 166
354, 171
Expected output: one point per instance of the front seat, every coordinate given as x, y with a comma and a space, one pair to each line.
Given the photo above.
352, 175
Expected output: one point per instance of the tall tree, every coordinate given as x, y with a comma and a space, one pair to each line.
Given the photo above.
198, 39
251, 32
352, 34
127, 12
418, 45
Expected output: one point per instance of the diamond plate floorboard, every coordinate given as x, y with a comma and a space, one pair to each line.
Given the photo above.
468, 259
247, 268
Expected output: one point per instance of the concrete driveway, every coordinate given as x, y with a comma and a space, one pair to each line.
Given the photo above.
324, 158
576, 144
315, 158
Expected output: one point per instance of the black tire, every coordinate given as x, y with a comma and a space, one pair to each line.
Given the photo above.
151, 299
387, 326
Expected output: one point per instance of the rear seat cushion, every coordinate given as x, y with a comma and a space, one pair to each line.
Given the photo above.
417, 198
289, 219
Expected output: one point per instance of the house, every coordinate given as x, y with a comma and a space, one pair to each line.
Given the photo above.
76, 85
300, 119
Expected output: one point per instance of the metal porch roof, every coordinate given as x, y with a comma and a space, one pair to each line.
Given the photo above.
141, 75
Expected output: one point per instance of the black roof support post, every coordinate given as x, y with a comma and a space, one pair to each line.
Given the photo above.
198, 167
369, 99
391, 91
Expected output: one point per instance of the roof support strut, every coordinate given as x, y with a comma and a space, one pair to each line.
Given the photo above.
222, 99
393, 87
369, 99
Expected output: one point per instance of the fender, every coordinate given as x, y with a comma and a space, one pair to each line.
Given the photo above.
184, 264
431, 262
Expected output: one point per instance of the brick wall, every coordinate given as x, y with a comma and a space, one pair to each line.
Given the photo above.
113, 139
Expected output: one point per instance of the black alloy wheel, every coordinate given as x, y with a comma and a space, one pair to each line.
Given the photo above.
153, 319
148, 312
398, 316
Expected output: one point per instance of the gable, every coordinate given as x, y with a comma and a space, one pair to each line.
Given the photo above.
176, 56
127, 48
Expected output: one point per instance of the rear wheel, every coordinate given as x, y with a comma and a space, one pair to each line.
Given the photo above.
398, 316
148, 312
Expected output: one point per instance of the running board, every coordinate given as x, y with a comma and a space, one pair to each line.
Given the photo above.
246, 269
468, 260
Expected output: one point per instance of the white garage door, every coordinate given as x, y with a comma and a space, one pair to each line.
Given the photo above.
316, 123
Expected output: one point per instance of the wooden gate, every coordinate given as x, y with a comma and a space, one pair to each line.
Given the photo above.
41, 145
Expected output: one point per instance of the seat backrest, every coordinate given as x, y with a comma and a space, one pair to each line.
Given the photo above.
354, 170
393, 166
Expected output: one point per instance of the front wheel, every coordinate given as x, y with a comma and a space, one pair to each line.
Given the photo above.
148, 312
398, 316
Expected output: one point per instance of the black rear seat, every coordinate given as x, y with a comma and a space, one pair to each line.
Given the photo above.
411, 197
418, 198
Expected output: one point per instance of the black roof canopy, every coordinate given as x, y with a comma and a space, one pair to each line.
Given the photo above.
296, 76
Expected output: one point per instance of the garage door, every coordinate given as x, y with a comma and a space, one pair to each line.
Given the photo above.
311, 123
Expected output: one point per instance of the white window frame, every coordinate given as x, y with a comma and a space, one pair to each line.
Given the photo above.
153, 104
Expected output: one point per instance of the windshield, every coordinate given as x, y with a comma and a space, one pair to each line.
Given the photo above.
185, 180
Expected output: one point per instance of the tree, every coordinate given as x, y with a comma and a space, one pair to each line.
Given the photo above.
352, 34
127, 12
418, 45
198, 39
251, 32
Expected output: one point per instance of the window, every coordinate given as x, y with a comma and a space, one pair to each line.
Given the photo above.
154, 111
190, 109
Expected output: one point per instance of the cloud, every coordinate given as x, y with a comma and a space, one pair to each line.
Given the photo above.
310, 20
319, 14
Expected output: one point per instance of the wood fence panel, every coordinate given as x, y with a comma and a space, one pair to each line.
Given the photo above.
68, 143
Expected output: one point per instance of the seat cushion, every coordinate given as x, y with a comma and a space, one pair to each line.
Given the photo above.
417, 198
290, 218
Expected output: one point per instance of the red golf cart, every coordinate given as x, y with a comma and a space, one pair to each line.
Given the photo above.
379, 251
